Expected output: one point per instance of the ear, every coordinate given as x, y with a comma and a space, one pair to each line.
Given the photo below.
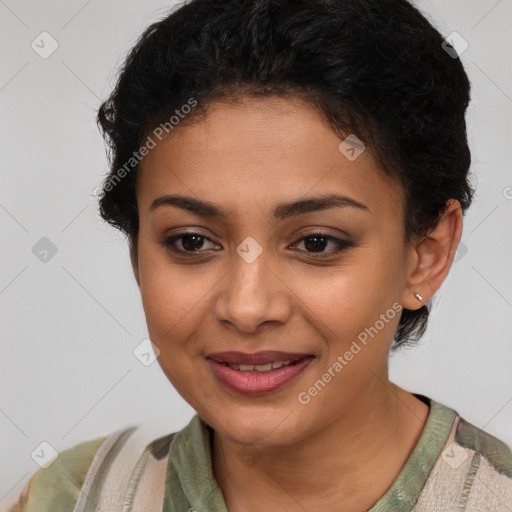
430, 259
134, 257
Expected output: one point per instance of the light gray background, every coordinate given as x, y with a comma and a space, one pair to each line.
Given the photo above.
70, 325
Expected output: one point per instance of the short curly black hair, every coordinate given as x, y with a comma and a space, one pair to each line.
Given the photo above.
376, 69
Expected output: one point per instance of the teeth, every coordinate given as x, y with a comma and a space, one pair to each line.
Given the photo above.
263, 367
259, 367
245, 367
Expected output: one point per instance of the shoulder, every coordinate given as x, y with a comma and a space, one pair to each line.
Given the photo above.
490, 466
473, 472
58, 484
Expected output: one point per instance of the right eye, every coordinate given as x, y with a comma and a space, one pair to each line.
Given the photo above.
190, 242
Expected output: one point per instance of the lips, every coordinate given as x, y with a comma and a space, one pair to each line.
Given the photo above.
257, 358
257, 379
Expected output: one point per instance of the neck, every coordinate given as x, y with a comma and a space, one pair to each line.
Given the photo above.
355, 459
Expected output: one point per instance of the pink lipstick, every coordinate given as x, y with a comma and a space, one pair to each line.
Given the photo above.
257, 373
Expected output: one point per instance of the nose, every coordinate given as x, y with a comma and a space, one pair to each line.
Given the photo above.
253, 294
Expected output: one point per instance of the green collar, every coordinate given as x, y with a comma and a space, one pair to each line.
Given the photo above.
190, 483
406, 489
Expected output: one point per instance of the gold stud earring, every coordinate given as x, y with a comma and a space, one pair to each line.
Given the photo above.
419, 297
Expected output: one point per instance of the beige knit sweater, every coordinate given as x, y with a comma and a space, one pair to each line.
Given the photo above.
454, 467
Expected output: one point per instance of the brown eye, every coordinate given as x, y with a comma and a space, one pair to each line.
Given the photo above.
315, 244
190, 242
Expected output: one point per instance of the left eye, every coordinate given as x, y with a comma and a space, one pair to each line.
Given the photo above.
317, 241
314, 242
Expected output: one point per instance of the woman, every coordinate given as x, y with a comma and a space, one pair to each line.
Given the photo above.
291, 177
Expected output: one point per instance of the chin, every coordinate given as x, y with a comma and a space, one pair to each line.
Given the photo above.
258, 429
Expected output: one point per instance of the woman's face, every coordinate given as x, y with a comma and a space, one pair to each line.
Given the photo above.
250, 280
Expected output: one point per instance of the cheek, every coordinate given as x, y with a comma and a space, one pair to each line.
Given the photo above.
174, 298
350, 296
355, 307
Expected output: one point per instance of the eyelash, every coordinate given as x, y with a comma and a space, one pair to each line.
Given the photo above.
341, 245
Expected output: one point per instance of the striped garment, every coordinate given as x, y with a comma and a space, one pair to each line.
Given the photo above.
454, 466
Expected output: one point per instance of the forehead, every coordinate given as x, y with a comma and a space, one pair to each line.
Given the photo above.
258, 153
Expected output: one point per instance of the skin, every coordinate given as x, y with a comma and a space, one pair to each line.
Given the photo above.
352, 439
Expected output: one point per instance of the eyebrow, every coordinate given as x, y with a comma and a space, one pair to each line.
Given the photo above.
281, 211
